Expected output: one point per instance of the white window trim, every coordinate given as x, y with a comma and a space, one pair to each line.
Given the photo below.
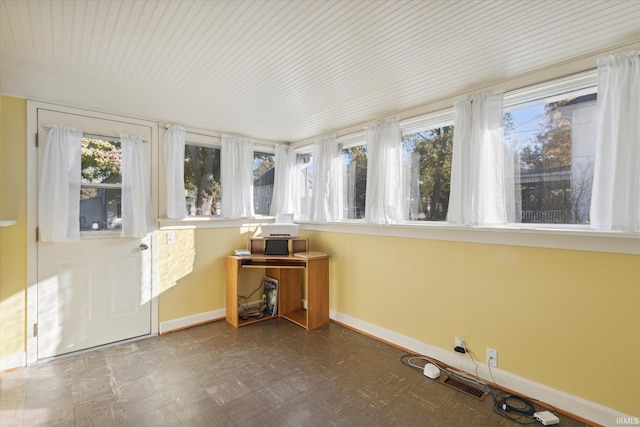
569, 238
206, 139
558, 236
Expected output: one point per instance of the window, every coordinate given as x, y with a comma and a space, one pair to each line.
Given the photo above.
354, 167
263, 177
305, 166
427, 158
202, 179
100, 184
553, 140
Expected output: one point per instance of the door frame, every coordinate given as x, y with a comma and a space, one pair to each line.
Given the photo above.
32, 213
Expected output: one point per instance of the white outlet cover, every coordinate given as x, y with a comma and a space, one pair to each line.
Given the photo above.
492, 357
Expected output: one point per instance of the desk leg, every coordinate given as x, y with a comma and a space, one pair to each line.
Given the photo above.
233, 266
317, 293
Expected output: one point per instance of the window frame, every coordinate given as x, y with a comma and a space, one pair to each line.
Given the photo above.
104, 232
441, 119
203, 141
264, 149
557, 236
577, 84
349, 141
207, 139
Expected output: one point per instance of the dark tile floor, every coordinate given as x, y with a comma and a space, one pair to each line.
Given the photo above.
268, 374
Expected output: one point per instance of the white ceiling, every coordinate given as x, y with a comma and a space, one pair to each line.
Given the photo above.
289, 70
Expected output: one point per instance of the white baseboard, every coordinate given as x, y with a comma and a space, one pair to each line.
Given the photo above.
556, 398
185, 322
12, 361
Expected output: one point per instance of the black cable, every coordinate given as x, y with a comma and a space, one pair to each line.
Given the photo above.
246, 299
511, 406
506, 404
405, 359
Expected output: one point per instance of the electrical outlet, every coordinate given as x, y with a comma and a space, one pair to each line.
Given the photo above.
492, 357
459, 342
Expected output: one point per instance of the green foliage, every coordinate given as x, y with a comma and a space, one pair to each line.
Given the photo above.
101, 161
551, 147
434, 148
262, 162
202, 178
356, 158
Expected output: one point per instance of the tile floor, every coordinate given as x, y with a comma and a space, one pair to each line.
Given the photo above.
268, 374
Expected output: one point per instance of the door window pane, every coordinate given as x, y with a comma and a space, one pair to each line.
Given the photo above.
554, 142
101, 160
101, 184
100, 209
202, 180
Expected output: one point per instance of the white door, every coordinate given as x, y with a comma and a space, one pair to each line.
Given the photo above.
97, 290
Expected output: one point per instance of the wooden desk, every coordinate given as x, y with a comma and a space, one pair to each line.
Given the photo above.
298, 271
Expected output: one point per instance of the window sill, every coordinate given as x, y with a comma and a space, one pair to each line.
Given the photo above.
554, 237
194, 222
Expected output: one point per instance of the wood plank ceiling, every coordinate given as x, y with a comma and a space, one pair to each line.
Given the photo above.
289, 70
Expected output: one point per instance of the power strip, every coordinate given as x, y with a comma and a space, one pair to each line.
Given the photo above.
546, 418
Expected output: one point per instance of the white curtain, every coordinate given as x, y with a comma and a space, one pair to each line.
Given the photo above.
236, 177
615, 200
284, 185
326, 176
174, 141
59, 190
384, 203
481, 178
137, 209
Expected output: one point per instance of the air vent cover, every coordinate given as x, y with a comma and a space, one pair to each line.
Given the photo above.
464, 386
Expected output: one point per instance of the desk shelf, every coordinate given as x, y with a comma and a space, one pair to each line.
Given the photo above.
243, 322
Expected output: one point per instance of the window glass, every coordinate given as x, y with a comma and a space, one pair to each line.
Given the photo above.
305, 167
202, 180
263, 176
554, 145
427, 173
101, 184
354, 167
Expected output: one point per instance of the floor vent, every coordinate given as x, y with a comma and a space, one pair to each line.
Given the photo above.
465, 386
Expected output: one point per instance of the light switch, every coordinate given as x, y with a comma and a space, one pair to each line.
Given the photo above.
171, 238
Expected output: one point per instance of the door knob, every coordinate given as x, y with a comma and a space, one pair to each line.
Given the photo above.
144, 246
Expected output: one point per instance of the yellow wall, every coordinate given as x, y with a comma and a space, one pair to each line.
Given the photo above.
583, 306
13, 239
192, 270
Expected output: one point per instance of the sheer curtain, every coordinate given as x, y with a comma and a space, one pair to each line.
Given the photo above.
326, 176
615, 199
284, 184
59, 190
481, 178
384, 203
236, 177
137, 209
174, 141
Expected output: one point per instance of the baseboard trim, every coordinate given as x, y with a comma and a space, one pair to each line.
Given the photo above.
581, 408
13, 361
191, 321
